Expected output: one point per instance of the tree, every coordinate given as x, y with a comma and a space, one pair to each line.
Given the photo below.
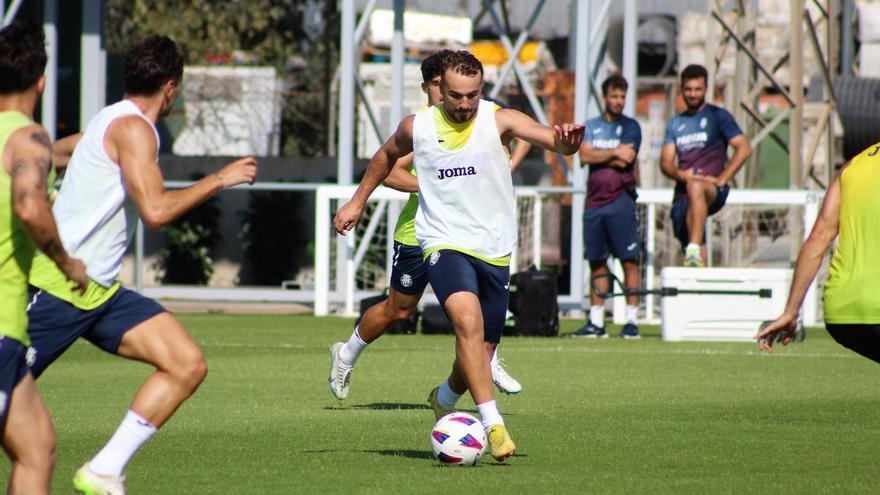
297, 37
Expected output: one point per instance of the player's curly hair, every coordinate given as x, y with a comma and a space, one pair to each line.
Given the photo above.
22, 56
150, 63
615, 81
465, 63
694, 71
434, 64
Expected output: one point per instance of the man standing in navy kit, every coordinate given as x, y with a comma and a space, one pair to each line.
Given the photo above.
700, 136
611, 221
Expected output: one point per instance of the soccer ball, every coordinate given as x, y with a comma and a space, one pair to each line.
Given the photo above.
458, 439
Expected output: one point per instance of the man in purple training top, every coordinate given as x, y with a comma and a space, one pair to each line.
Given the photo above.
700, 136
611, 221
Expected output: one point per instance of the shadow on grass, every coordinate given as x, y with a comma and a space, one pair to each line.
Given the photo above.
381, 406
410, 454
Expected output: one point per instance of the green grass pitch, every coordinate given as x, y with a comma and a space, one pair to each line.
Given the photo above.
606, 416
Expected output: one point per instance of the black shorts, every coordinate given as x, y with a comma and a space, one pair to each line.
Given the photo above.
452, 271
55, 324
13, 369
863, 339
679, 214
408, 272
613, 227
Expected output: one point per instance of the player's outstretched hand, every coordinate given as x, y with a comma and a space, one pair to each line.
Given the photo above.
569, 136
347, 217
75, 271
240, 171
767, 334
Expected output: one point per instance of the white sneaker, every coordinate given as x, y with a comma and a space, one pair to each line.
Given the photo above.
339, 373
502, 378
89, 482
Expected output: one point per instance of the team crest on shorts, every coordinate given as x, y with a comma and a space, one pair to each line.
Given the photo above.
406, 280
31, 356
435, 257
2, 403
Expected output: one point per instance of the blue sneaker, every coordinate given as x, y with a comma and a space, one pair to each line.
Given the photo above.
630, 331
590, 331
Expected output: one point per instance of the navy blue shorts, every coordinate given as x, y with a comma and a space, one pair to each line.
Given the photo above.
613, 227
408, 272
13, 369
54, 324
453, 271
861, 338
679, 214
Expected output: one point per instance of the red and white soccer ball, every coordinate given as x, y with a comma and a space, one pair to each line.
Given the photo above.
458, 439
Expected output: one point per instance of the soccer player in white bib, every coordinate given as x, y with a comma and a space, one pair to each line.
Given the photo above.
112, 178
466, 223
409, 272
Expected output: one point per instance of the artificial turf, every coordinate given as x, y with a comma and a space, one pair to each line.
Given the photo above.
608, 416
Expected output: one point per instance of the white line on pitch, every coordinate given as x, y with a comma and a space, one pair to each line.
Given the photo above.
692, 352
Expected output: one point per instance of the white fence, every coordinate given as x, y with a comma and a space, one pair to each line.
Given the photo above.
756, 228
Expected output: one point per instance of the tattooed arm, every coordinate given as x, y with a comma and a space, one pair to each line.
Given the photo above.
28, 167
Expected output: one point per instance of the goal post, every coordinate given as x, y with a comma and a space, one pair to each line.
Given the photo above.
351, 267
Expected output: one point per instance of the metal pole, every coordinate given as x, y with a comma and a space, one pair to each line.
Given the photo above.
50, 93
93, 63
579, 175
846, 39
10, 14
345, 149
397, 68
630, 54
795, 131
795, 120
139, 257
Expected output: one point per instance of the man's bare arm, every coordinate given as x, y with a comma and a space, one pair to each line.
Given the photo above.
667, 163
62, 150
400, 177
565, 138
28, 169
620, 157
131, 143
741, 152
808, 262
398, 145
520, 150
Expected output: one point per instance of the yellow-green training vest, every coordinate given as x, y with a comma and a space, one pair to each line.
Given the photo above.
16, 247
852, 292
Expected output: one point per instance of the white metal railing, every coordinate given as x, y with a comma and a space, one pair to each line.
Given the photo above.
345, 294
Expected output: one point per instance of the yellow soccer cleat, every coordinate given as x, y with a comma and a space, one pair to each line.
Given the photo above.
439, 411
500, 443
89, 482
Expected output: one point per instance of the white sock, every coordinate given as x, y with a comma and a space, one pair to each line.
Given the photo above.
131, 435
597, 316
692, 248
494, 356
447, 397
631, 313
351, 351
489, 414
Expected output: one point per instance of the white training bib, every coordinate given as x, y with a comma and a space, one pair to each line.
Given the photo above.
465, 196
95, 218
